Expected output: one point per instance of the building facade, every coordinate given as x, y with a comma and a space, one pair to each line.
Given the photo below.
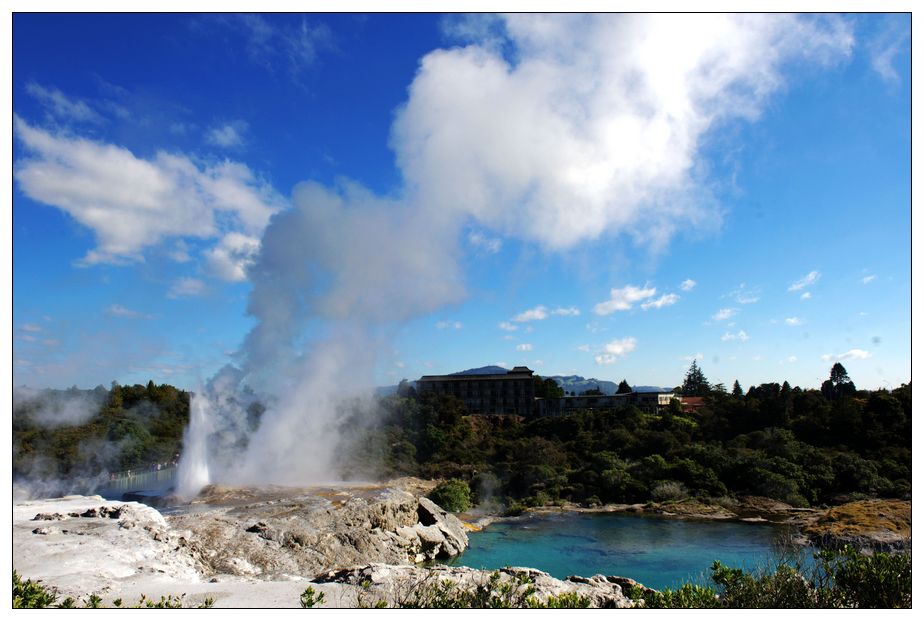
513, 392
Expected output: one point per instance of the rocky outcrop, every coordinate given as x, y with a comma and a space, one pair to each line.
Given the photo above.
84, 544
881, 525
412, 586
265, 534
226, 534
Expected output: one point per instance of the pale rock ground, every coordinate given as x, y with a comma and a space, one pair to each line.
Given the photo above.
247, 548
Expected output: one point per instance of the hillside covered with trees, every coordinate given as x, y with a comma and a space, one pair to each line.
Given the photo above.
801, 446
74, 436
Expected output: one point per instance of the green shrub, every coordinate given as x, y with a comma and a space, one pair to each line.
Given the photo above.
514, 509
310, 598
687, 596
565, 600
784, 588
453, 495
31, 594
669, 490
842, 578
879, 580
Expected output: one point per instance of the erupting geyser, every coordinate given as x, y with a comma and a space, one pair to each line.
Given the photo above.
193, 469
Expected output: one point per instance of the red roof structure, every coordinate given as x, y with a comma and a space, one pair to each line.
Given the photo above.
692, 404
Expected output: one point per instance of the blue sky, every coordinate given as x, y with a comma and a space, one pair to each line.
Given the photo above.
611, 197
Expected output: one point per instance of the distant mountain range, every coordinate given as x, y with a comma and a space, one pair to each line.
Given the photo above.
568, 383
488, 370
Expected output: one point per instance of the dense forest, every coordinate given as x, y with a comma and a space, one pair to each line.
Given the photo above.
802, 446
77, 435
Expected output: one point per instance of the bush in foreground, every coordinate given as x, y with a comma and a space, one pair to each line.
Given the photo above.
519, 591
32, 594
843, 578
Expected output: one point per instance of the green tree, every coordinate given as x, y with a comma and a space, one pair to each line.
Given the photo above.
839, 384
548, 388
695, 383
737, 393
624, 388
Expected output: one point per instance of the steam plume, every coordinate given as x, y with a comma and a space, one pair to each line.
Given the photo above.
555, 129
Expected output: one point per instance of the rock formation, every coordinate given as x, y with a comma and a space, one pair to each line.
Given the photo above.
413, 586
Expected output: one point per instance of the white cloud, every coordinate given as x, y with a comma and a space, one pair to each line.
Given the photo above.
725, 313
30, 327
584, 348
743, 295
868, 279
28, 338
623, 299
534, 314
665, 300
132, 203
61, 106
740, 336
117, 310
886, 46
506, 325
794, 321
230, 259
688, 284
443, 325
180, 252
605, 112
186, 287
808, 280
853, 354
614, 350
298, 47
228, 136
806, 296
540, 313
696, 356
479, 240
792, 359
524, 347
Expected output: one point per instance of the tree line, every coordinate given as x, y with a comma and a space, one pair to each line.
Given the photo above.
801, 446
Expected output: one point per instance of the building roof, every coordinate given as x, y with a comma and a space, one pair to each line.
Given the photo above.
515, 373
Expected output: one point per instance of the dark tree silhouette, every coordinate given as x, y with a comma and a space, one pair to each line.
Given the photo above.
695, 383
839, 385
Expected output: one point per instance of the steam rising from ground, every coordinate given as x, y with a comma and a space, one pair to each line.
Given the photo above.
58, 408
555, 129
333, 271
